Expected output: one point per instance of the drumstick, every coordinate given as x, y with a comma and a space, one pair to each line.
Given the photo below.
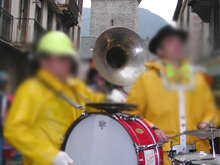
177, 135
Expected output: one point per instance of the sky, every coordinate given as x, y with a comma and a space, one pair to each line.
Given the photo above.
163, 8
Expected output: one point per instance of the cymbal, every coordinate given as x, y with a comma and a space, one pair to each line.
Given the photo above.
203, 133
199, 133
112, 107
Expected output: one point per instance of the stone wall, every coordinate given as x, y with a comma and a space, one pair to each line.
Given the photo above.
112, 13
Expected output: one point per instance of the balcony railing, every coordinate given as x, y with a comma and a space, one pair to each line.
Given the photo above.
70, 10
6, 25
28, 30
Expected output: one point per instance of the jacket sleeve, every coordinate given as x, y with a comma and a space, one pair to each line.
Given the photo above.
22, 116
211, 113
137, 96
90, 95
87, 95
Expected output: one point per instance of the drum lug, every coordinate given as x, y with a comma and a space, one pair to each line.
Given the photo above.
147, 147
129, 117
138, 148
84, 114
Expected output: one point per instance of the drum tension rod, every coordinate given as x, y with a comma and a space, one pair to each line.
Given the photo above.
172, 153
127, 117
146, 147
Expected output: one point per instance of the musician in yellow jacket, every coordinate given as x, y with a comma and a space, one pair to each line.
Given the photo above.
38, 118
173, 95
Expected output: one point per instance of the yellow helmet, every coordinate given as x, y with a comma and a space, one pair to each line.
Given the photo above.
56, 43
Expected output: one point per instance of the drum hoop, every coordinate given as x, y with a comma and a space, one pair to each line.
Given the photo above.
153, 137
133, 132
69, 130
82, 117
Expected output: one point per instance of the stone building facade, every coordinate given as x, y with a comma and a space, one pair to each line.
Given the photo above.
199, 41
111, 13
202, 19
22, 22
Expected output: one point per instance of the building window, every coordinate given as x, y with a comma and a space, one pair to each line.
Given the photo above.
78, 37
112, 22
188, 15
73, 32
6, 4
80, 5
182, 21
23, 20
59, 23
216, 24
77, 2
6, 20
50, 18
38, 14
23, 8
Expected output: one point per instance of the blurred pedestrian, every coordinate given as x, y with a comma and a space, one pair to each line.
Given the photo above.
173, 95
39, 118
95, 81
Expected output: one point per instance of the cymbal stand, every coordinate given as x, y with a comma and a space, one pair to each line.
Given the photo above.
172, 153
212, 141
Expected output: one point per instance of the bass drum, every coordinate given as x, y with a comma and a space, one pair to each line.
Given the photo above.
100, 139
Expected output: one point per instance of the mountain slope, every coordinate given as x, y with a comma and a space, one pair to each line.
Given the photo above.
148, 23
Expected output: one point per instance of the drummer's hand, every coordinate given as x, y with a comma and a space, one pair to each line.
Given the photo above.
203, 126
161, 136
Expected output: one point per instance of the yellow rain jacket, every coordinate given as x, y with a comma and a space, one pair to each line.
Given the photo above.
38, 118
160, 106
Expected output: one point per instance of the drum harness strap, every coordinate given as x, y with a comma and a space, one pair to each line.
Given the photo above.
61, 95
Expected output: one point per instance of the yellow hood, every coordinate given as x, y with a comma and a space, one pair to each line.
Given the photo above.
156, 65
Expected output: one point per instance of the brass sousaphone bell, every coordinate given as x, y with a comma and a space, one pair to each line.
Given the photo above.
119, 56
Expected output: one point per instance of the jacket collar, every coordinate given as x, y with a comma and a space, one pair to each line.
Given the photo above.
51, 79
158, 65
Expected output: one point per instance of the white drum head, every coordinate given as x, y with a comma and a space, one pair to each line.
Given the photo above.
100, 140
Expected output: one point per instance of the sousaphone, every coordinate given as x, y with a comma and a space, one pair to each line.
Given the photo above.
119, 56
